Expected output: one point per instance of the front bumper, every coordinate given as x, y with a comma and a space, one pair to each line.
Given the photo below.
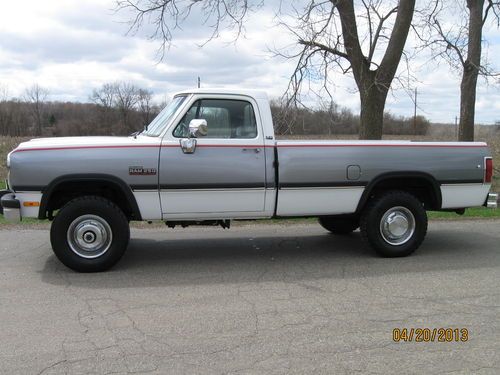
10, 206
492, 200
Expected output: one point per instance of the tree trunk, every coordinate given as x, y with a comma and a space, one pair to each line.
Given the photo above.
374, 85
372, 113
467, 105
471, 71
38, 123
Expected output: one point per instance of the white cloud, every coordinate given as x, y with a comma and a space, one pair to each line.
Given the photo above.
71, 47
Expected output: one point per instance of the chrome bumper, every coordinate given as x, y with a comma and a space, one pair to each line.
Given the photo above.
492, 201
10, 206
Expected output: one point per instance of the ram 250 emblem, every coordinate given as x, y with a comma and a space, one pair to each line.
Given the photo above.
141, 171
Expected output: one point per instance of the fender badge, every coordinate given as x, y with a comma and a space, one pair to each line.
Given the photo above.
141, 171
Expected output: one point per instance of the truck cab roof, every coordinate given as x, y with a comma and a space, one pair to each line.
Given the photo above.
256, 94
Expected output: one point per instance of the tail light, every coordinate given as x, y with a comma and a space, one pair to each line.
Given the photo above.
488, 170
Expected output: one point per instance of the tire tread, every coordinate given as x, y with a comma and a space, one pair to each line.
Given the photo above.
396, 195
97, 264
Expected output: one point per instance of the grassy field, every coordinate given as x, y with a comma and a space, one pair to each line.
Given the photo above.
483, 133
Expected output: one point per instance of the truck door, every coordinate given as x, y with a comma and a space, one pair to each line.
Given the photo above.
218, 172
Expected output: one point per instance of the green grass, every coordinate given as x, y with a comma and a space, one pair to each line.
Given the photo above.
25, 221
474, 212
479, 212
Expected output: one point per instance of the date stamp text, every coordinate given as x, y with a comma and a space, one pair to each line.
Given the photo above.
430, 334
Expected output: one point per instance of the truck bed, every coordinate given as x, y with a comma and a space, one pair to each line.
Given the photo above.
330, 177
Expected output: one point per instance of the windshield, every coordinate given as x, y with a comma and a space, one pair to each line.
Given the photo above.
158, 124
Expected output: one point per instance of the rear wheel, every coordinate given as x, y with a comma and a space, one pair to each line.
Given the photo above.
394, 224
89, 234
339, 225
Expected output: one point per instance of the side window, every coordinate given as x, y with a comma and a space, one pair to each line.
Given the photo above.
182, 129
225, 119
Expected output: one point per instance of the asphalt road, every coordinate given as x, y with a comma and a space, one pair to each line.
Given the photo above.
252, 300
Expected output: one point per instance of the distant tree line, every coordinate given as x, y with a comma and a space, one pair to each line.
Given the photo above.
122, 108
331, 119
115, 109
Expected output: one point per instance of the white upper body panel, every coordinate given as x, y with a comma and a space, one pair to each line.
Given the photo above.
71, 142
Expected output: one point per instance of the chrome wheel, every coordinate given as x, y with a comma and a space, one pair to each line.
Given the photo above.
397, 225
89, 236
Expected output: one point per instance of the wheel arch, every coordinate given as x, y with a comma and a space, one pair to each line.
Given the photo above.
84, 184
422, 184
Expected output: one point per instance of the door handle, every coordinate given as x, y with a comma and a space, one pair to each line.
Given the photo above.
254, 149
188, 145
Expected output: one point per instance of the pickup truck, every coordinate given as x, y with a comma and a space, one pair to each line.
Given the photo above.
211, 156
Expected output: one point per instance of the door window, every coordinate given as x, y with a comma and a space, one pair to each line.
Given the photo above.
226, 119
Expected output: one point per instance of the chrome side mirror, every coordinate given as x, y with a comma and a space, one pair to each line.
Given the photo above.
198, 128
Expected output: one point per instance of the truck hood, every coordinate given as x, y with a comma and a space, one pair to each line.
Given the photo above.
87, 142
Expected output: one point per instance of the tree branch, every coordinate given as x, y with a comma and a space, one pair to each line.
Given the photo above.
358, 61
373, 44
324, 47
449, 44
395, 47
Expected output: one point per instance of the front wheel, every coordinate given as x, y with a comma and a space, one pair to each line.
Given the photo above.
394, 224
89, 234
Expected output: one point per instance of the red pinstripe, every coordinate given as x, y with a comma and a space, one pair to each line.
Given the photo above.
244, 146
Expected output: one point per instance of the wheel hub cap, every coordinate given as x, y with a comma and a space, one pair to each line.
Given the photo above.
89, 236
397, 225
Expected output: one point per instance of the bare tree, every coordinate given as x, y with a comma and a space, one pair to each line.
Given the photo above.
167, 16
284, 117
460, 44
104, 96
126, 99
145, 105
330, 40
124, 106
4, 110
36, 96
325, 30
4, 92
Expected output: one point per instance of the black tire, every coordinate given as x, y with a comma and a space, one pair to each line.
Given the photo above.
340, 226
93, 218
376, 229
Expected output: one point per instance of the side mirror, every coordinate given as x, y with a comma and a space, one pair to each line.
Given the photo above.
198, 128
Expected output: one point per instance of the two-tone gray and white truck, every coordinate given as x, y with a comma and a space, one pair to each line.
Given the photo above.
211, 157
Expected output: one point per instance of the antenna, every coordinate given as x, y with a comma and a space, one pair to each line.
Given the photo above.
199, 82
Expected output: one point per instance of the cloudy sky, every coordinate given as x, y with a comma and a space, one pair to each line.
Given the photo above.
72, 46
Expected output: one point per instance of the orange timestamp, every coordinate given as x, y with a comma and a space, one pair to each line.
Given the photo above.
430, 334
